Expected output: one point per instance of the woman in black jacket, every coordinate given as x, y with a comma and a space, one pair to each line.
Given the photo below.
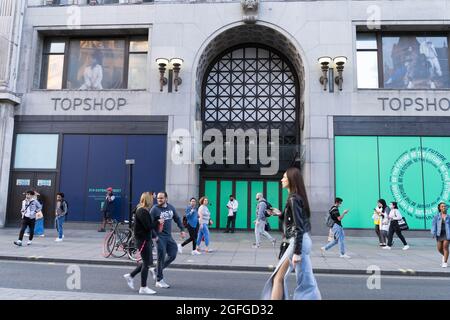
143, 226
296, 228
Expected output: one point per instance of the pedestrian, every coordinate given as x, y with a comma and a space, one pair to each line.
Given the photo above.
204, 219
30, 206
232, 207
260, 222
167, 247
383, 213
296, 231
107, 208
394, 217
440, 229
39, 225
60, 215
143, 226
338, 230
192, 225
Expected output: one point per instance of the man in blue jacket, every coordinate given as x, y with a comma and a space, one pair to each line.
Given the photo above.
166, 244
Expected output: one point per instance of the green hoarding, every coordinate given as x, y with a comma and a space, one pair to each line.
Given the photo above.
413, 171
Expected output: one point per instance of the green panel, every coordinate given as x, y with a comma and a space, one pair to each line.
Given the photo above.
436, 166
211, 194
242, 198
226, 189
256, 186
401, 176
356, 170
273, 196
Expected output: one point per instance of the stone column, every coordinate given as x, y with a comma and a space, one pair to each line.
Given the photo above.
6, 140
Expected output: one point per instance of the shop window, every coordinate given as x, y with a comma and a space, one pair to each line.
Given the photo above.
95, 64
402, 61
36, 151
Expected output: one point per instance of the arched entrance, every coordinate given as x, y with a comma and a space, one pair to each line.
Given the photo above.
252, 88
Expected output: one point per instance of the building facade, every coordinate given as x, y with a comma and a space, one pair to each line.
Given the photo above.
219, 98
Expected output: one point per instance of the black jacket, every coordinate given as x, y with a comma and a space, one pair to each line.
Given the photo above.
143, 225
295, 221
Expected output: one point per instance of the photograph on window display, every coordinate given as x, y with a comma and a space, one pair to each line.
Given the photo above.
415, 62
96, 65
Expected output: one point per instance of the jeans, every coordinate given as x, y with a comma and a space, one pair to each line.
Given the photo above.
166, 246
27, 222
259, 230
339, 237
59, 221
203, 232
147, 260
193, 233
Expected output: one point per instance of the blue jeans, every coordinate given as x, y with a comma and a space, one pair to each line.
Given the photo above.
339, 237
59, 221
39, 227
203, 232
166, 246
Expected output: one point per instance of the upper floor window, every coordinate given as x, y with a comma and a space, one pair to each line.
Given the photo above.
402, 61
95, 64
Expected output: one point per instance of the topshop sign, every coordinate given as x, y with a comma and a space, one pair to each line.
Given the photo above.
89, 104
415, 104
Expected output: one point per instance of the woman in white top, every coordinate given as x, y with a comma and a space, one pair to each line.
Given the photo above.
204, 219
394, 217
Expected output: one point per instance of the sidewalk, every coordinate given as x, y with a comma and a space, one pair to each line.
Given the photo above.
235, 252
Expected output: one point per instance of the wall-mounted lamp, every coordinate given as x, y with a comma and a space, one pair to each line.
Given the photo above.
324, 65
176, 63
162, 63
339, 63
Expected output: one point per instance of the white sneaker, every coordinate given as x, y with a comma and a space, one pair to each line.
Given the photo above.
129, 279
152, 270
195, 253
146, 290
29, 243
180, 248
386, 248
42, 235
322, 251
26, 234
58, 240
19, 243
255, 246
405, 247
444, 265
344, 256
161, 284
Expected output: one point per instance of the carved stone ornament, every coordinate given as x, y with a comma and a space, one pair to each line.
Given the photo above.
250, 8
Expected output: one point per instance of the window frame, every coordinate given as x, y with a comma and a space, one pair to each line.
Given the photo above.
67, 51
379, 38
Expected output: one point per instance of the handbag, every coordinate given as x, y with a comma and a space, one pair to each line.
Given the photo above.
283, 247
402, 225
39, 215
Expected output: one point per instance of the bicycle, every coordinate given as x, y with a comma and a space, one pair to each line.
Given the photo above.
117, 240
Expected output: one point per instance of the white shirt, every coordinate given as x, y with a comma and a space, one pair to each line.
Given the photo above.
232, 207
395, 215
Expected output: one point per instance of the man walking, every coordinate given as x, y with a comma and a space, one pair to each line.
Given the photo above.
232, 207
166, 244
29, 208
61, 211
261, 221
337, 229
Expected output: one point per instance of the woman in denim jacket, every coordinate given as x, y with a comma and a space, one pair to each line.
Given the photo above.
440, 229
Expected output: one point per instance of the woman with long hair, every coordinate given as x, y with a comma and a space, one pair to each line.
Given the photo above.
296, 228
143, 226
394, 217
191, 214
204, 220
440, 229
383, 211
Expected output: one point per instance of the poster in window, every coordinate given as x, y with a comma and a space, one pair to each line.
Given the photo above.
96, 65
411, 62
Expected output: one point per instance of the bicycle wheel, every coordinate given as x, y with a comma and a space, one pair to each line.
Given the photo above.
108, 244
120, 243
132, 251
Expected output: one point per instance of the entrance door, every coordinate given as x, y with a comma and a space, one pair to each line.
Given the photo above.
218, 191
42, 182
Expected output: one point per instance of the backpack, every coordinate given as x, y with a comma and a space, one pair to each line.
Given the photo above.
268, 209
67, 204
329, 220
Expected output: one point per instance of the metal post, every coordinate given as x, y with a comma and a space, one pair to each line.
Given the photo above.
130, 164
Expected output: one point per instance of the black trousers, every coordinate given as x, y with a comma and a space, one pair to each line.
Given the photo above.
395, 228
231, 221
27, 222
193, 233
146, 262
377, 231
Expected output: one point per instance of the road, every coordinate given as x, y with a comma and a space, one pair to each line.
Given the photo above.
205, 284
